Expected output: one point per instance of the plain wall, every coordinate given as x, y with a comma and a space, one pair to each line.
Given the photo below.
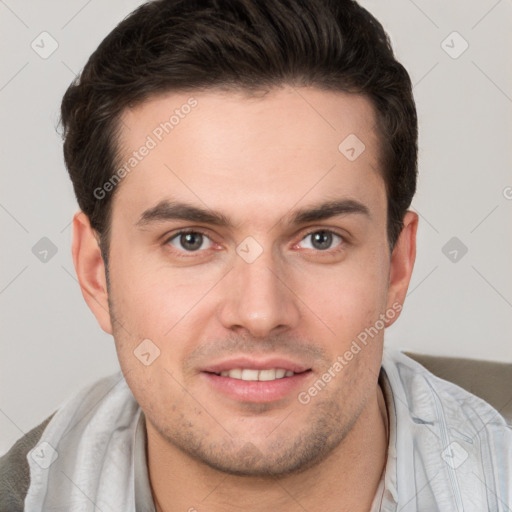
51, 343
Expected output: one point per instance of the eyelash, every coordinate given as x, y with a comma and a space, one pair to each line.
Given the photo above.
188, 254
183, 253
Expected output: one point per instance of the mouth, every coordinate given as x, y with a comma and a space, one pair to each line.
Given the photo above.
252, 375
249, 380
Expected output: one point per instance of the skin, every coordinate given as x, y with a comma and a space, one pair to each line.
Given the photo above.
256, 160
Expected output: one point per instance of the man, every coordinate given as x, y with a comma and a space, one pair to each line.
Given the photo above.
244, 171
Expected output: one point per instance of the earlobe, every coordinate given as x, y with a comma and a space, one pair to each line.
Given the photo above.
402, 261
90, 269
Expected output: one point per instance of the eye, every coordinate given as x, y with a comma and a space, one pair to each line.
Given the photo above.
190, 241
321, 240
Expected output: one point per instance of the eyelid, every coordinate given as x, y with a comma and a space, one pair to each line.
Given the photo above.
341, 245
167, 238
180, 231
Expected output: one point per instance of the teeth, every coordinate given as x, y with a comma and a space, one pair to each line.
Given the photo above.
255, 375
235, 374
250, 374
266, 375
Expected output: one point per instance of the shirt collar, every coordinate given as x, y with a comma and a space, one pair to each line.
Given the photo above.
143, 495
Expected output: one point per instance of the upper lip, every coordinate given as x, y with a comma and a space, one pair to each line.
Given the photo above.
255, 364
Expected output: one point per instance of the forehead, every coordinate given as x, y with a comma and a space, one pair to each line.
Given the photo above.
231, 150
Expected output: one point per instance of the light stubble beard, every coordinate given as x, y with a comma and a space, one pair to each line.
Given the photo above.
333, 414
284, 452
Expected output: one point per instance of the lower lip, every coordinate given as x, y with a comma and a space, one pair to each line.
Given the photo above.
256, 391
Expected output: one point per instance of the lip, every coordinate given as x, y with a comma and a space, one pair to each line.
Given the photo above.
252, 363
256, 391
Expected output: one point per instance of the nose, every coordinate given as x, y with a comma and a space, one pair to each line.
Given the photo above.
258, 297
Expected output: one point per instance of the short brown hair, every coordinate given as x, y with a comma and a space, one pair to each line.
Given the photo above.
180, 45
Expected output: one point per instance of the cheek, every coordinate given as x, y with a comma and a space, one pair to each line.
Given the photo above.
152, 298
151, 334
167, 306
348, 298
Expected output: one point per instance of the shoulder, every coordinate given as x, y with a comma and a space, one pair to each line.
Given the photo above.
15, 471
108, 395
435, 397
446, 438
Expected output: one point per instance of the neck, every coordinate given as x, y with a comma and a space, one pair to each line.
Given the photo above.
346, 480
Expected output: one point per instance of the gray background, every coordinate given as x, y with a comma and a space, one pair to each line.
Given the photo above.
458, 304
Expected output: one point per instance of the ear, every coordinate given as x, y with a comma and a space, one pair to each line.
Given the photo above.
90, 269
402, 263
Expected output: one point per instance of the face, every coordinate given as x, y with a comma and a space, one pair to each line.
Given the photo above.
249, 241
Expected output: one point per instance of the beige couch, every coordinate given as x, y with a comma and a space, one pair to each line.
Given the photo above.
491, 381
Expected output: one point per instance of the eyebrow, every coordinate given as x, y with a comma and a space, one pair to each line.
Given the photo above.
330, 209
167, 210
